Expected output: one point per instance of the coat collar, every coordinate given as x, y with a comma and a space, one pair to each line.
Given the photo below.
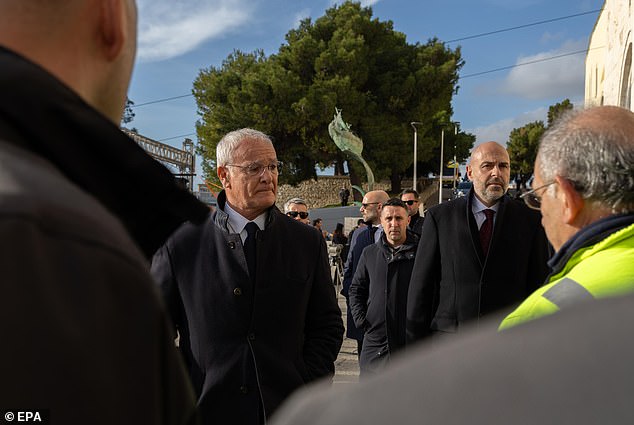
221, 218
588, 236
42, 115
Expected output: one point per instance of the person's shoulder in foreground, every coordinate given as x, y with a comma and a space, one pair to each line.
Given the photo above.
584, 189
88, 338
559, 369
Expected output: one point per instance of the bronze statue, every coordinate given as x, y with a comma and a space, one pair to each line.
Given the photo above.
349, 143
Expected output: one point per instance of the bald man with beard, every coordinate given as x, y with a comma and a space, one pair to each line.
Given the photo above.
479, 253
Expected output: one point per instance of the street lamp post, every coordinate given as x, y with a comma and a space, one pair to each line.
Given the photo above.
413, 124
442, 149
455, 163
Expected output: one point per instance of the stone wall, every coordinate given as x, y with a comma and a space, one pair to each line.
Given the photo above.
321, 192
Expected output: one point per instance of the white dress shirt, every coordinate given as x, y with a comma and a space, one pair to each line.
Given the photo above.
236, 221
477, 208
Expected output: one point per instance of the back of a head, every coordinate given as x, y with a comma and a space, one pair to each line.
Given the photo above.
90, 49
594, 150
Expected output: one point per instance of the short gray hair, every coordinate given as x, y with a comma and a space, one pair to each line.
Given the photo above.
597, 161
298, 201
229, 143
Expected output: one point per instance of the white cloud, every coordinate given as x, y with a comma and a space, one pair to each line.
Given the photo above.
549, 37
562, 77
499, 131
169, 28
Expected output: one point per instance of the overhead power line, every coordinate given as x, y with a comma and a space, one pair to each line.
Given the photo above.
561, 18
484, 34
475, 74
176, 137
161, 100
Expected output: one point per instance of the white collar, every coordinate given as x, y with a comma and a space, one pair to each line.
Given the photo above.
237, 222
477, 205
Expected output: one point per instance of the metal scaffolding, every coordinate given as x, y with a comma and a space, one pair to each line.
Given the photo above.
183, 159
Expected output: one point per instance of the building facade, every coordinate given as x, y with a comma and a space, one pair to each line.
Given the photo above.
609, 57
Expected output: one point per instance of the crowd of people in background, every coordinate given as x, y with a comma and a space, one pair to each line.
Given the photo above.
116, 308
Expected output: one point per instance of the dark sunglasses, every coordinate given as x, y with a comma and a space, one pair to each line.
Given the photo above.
410, 202
294, 214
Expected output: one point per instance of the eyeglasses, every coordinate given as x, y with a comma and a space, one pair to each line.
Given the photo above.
369, 203
410, 202
532, 200
294, 214
255, 169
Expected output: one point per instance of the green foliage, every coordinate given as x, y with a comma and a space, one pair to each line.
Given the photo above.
556, 110
522, 146
524, 141
347, 59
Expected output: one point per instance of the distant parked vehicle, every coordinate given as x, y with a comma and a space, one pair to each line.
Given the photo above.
462, 189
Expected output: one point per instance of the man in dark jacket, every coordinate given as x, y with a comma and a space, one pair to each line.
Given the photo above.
344, 194
412, 201
378, 294
363, 237
250, 292
86, 335
482, 252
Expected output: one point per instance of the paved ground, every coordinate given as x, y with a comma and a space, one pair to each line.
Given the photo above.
347, 365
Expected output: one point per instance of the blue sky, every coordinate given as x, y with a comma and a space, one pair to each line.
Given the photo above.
178, 38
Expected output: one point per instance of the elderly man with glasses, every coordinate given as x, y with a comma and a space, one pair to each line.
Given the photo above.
584, 188
255, 322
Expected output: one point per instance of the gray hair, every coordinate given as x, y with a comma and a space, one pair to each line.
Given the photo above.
229, 143
597, 161
298, 201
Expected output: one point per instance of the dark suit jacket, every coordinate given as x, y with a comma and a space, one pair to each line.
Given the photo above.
378, 299
454, 281
364, 239
416, 224
247, 345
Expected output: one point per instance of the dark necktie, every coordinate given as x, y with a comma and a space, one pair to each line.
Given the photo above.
250, 248
486, 231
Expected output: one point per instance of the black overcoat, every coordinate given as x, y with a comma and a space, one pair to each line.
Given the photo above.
86, 334
362, 239
453, 281
245, 345
378, 299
